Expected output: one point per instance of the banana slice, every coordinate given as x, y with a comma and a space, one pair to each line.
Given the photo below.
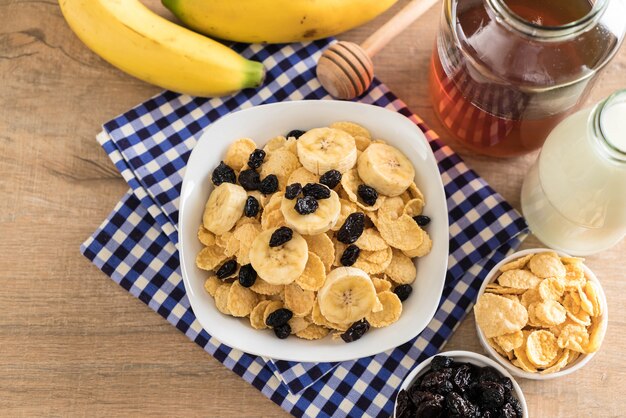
386, 169
224, 208
279, 265
324, 218
323, 149
347, 296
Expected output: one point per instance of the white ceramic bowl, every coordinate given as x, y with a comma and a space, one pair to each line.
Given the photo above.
466, 357
263, 123
580, 362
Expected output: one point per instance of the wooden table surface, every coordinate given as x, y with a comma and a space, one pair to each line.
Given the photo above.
74, 343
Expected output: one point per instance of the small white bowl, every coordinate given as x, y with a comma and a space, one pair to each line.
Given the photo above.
580, 362
466, 357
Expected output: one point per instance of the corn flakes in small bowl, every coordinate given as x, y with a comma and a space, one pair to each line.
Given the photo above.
542, 314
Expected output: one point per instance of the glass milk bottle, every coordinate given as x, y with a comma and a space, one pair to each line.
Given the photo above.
574, 197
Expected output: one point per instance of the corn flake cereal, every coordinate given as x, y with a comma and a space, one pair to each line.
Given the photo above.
519, 279
541, 348
205, 236
498, 316
509, 342
238, 153
221, 298
262, 287
210, 257
414, 207
298, 324
298, 300
551, 288
240, 300
314, 274
574, 337
374, 262
211, 284
546, 265
257, 319
390, 241
303, 176
347, 208
520, 263
549, 312
401, 269
564, 312
313, 332
392, 309
322, 246
380, 284
370, 240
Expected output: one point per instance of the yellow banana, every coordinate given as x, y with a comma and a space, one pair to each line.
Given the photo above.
131, 37
275, 21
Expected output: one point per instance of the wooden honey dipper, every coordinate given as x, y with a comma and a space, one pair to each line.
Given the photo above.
346, 70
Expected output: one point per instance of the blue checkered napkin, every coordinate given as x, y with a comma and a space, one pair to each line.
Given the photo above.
136, 244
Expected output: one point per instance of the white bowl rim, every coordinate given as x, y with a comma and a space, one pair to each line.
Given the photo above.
469, 354
354, 352
582, 360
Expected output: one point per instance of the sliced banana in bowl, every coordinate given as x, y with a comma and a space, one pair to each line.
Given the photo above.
322, 220
282, 264
224, 208
386, 169
348, 296
324, 149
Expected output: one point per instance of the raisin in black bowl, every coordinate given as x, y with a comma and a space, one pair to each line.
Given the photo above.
460, 384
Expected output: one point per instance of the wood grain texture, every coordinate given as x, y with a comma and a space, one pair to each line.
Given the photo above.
72, 342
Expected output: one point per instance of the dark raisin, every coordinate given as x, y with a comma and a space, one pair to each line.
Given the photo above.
438, 382
429, 409
256, 158
281, 236
419, 396
403, 291
404, 408
507, 384
293, 190
227, 269
461, 377
488, 374
441, 362
223, 174
306, 205
316, 190
282, 331
421, 220
368, 194
249, 179
269, 184
350, 254
278, 317
459, 407
331, 178
356, 331
295, 133
491, 394
247, 275
508, 411
352, 228
251, 209
516, 404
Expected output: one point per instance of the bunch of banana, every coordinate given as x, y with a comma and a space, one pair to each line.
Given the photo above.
131, 37
275, 21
